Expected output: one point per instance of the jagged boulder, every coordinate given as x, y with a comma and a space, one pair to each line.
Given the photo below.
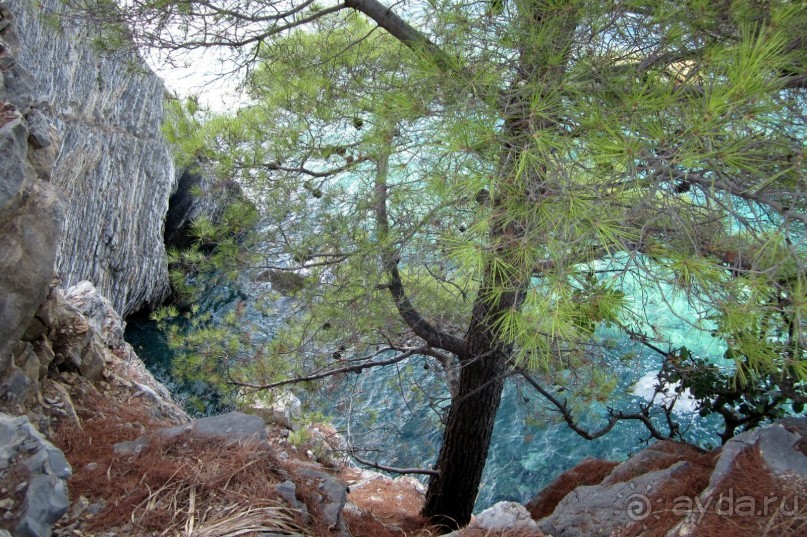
760, 479
34, 475
756, 484
76, 345
504, 516
288, 491
83, 305
589, 471
230, 428
30, 224
331, 496
279, 406
99, 313
601, 511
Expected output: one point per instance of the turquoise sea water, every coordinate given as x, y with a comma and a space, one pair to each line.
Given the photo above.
384, 409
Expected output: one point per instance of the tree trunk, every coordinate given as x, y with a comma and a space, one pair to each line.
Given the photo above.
452, 492
484, 358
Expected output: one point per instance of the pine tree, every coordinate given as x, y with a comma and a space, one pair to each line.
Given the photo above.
489, 189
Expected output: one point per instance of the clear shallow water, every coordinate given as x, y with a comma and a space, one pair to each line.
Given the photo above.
383, 409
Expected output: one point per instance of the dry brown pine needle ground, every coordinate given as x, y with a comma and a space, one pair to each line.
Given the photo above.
185, 486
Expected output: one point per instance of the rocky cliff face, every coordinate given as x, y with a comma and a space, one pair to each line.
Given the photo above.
31, 213
114, 167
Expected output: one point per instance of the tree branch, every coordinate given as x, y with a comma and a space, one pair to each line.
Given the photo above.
393, 469
221, 41
302, 169
331, 372
729, 187
613, 418
420, 326
403, 32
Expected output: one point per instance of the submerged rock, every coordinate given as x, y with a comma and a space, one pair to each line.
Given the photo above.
285, 282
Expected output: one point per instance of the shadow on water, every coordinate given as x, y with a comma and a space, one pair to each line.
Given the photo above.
149, 342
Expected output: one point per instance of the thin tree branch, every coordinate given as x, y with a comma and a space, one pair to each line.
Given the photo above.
302, 169
420, 326
254, 39
393, 469
613, 418
725, 185
331, 372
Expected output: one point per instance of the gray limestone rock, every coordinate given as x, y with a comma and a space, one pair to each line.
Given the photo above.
780, 451
38, 129
232, 427
130, 447
639, 464
44, 158
27, 363
30, 223
17, 81
31, 217
114, 166
504, 516
99, 312
280, 406
46, 500
77, 346
333, 495
781, 448
288, 491
14, 169
15, 387
600, 511
45, 354
778, 447
46, 471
